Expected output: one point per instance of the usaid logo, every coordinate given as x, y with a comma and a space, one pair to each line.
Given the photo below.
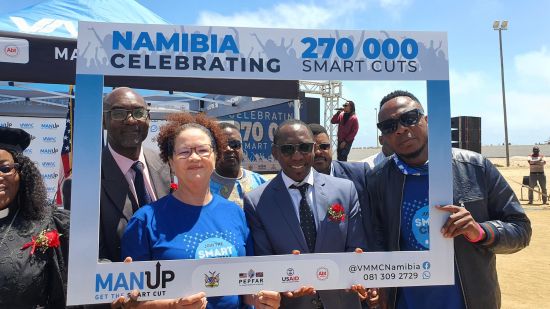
11, 51
49, 151
126, 282
49, 139
290, 277
48, 164
6, 124
50, 176
49, 126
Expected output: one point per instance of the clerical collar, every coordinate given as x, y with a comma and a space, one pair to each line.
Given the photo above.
410, 170
4, 213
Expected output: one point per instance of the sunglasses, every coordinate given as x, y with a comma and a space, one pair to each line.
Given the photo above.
201, 150
122, 114
8, 169
323, 146
234, 144
290, 149
406, 119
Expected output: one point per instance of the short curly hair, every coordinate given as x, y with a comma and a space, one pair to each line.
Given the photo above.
181, 121
31, 196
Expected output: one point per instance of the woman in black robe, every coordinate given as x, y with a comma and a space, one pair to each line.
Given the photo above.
33, 233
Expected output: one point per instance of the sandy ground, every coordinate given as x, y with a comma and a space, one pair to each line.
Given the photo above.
525, 276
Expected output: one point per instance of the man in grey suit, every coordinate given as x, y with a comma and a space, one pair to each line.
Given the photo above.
291, 213
126, 184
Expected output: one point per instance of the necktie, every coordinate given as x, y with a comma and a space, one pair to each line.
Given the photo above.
307, 221
139, 184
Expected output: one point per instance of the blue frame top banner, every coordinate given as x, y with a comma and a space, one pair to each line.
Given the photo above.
258, 53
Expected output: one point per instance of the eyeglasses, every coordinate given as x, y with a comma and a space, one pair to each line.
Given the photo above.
323, 146
122, 114
200, 150
406, 119
8, 169
290, 149
235, 144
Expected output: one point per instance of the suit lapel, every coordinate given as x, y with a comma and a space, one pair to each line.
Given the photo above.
320, 200
338, 171
158, 172
285, 205
116, 186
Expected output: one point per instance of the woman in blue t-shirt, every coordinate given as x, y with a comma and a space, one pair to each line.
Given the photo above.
199, 224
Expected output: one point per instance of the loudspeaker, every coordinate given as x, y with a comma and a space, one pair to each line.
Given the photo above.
466, 133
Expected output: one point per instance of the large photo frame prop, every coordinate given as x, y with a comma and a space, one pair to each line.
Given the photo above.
252, 53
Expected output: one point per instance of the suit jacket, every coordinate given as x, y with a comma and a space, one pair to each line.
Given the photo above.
117, 199
356, 172
276, 229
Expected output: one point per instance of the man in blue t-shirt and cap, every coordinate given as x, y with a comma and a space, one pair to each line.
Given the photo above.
485, 218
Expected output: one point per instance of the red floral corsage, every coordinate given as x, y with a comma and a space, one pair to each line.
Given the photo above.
44, 240
336, 213
173, 186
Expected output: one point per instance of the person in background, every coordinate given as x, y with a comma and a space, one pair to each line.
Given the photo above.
536, 174
348, 126
131, 176
381, 156
485, 218
229, 179
197, 220
34, 234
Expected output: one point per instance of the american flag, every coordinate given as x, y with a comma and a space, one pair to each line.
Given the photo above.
65, 166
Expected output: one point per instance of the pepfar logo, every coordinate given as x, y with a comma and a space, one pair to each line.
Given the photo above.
251, 278
11, 51
47, 151
49, 139
50, 176
26, 125
49, 126
113, 282
290, 277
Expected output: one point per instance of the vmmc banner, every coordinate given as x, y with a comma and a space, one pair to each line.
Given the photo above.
256, 53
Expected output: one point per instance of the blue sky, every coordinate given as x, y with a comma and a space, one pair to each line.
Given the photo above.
473, 50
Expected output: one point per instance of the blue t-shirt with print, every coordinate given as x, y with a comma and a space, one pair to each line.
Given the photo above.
169, 229
415, 236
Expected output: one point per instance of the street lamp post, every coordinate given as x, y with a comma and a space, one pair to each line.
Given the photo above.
497, 25
375, 127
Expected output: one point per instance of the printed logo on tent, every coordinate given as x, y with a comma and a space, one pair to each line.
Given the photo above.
45, 25
6, 124
50, 176
11, 51
49, 126
49, 139
26, 125
48, 164
14, 50
46, 151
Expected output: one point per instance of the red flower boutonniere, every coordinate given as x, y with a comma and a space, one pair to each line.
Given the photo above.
173, 186
336, 213
44, 240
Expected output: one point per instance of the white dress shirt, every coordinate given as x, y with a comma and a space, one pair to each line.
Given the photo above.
296, 196
125, 166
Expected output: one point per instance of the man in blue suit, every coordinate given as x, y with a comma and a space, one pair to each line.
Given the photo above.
291, 213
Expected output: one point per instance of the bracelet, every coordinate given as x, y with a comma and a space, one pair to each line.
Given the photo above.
480, 237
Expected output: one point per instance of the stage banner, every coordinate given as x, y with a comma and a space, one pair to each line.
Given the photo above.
255, 54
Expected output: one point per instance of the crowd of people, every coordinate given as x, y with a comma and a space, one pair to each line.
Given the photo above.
218, 203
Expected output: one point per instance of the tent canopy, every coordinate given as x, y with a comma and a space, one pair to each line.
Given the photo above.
38, 45
60, 17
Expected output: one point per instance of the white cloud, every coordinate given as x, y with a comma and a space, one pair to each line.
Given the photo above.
329, 13
465, 83
283, 15
534, 66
